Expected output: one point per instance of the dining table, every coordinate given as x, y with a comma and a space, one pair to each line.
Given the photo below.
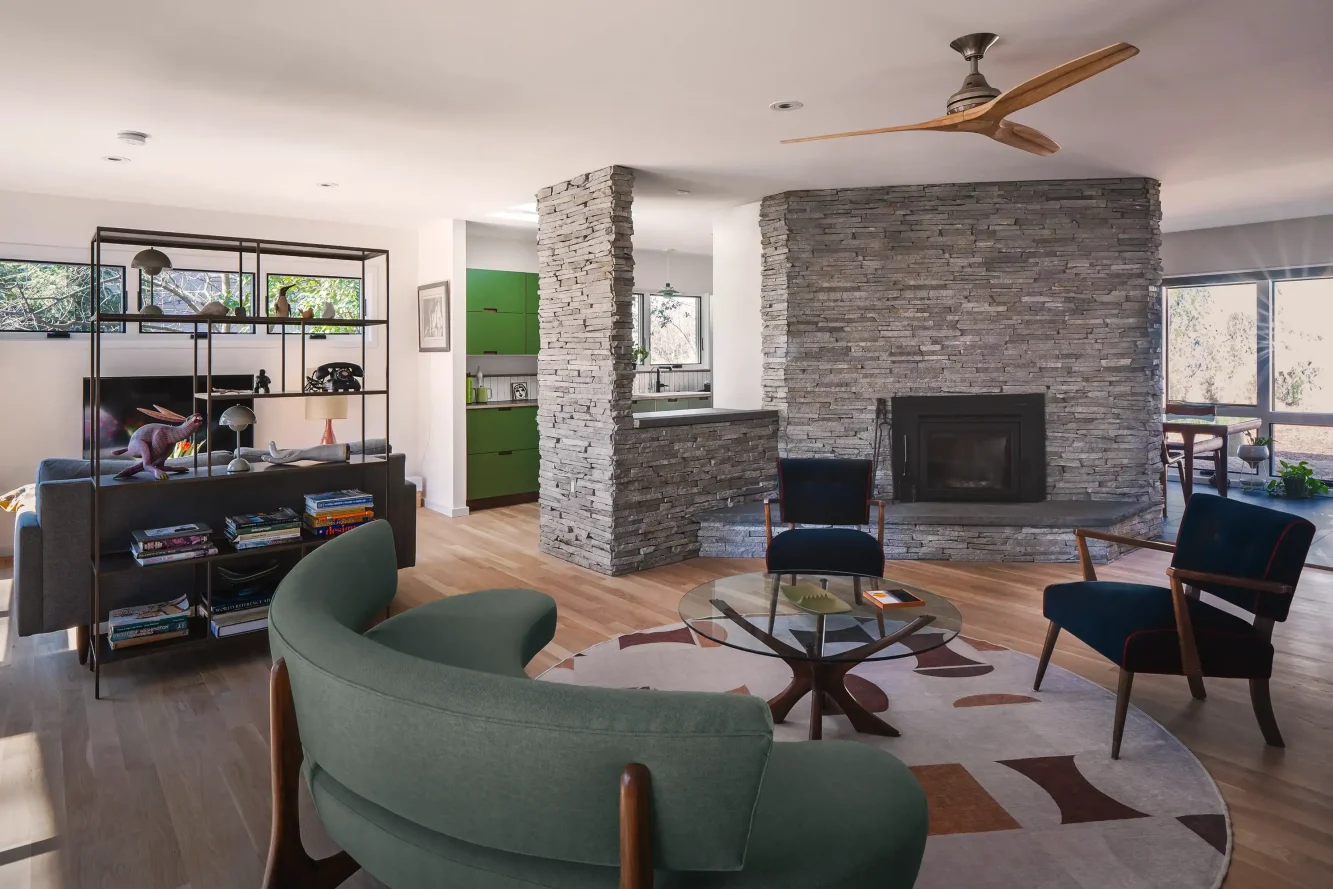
1190, 427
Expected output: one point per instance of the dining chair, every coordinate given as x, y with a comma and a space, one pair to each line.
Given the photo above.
1248, 556
830, 492
1212, 448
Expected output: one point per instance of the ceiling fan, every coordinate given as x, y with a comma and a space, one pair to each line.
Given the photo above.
979, 107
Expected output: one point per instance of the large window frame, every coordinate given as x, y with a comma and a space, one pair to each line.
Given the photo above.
1264, 282
149, 283
271, 294
107, 327
643, 329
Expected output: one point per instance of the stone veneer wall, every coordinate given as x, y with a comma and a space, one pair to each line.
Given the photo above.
988, 287
586, 259
615, 498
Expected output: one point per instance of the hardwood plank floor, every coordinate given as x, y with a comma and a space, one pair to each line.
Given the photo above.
164, 783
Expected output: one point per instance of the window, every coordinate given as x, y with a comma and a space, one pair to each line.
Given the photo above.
312, 292
675, 329
186, 291
1303, 345
46, 297
1211, 355
1313, 444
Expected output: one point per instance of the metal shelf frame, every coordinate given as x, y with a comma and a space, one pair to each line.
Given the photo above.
244, 248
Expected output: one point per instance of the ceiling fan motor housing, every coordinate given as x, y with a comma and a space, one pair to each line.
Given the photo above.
975, 90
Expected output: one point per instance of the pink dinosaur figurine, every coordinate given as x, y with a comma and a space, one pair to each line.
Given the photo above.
152, 443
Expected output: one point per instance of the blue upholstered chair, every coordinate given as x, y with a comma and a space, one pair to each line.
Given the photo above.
1246, 555
823, 491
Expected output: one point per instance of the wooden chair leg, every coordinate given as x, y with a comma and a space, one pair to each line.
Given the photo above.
1121, 709
1052, 633
773, 603
636, 834
1263, 711
289, 865
1196, 688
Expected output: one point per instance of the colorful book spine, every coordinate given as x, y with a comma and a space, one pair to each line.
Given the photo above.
135, 631
117, 644
338, 518
334, 530
232, 606
177, 556
169, 543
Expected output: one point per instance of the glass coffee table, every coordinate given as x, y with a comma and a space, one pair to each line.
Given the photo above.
823, 637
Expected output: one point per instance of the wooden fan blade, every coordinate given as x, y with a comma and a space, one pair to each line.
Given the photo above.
945, 124
1024, 137
1043, 86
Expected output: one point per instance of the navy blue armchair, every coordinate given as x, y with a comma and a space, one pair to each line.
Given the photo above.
1246, 555
824, 491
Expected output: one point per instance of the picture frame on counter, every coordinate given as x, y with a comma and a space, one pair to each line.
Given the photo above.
518, 391
433, 317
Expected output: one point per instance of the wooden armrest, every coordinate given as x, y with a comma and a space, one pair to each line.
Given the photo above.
1262, 586
1160, 545
768, 519
879, 504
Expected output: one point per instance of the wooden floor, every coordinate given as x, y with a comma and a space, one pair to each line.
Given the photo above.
164, 784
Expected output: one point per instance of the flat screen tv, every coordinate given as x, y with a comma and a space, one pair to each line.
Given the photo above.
123, 396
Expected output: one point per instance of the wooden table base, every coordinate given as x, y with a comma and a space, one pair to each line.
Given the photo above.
824, 680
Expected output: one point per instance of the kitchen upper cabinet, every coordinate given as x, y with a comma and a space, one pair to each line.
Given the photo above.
496, 333
495, 291
530, 293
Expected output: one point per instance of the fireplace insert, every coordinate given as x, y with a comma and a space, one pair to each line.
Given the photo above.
981, 448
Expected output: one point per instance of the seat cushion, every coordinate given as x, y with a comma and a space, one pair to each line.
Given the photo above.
1134, 625
494, 631
837, 550
831, 815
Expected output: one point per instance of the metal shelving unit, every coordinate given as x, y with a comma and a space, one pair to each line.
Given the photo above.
120, 562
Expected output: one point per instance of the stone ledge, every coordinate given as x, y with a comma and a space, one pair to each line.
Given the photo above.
696, 416
1046, 514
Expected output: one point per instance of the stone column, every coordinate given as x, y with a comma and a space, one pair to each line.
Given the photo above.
585, 368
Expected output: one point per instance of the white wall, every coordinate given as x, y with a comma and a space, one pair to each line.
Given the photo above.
738, 361
42, 393
503, 248
689, 273
1287, 243
442, 248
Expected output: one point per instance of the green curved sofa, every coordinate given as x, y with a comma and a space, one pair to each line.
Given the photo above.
434, 761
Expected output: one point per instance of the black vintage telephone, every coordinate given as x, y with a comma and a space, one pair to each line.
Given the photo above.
336, 376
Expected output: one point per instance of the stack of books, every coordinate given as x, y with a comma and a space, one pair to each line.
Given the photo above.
148, 623
175, 543
261, 529
241, 606
336, 512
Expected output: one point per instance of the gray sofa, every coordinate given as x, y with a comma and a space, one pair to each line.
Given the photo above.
52, 545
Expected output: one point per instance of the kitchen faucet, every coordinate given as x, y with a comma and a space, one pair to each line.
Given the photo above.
659, 386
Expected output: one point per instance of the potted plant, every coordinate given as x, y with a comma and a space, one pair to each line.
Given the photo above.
1297, 481
1256, 452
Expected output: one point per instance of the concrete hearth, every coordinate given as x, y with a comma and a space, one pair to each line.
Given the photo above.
1004, 532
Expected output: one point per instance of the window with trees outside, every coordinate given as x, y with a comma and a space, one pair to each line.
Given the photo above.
674, 330
1258, 344
313, 292
187, 291
56, 297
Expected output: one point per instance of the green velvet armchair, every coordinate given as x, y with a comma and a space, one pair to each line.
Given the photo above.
434, 762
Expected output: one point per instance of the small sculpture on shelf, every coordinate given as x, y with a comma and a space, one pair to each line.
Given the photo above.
262, 381
328, 309
308, 314
214, 309
151, 309
152, 443
324, 453
282, 308
240, 311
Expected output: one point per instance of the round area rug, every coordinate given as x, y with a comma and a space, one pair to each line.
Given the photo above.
1021, 786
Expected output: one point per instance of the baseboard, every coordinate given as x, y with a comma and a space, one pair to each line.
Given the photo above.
453, 512
506, 500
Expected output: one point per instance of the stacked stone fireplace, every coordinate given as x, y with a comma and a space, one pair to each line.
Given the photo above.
1043, 291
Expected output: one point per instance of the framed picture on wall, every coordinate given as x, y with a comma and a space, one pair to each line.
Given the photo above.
433, 317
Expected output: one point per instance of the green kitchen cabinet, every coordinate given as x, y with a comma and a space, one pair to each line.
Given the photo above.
531, 299
492, 429
532, 335
642, 406
502, 474
495, 291
496, 333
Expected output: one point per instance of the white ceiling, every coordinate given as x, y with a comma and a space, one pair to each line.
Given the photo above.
440, 108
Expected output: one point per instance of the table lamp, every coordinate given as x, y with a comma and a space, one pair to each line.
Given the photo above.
327, 408
237, 418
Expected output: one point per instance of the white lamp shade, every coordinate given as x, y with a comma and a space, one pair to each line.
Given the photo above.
326, 407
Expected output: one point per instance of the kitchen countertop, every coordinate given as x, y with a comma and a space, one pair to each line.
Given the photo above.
494, 404
655, 419
640, 396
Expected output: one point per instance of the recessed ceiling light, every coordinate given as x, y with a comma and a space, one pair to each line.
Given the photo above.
787, 106
327, 184
116, 159
682, 191
132, 137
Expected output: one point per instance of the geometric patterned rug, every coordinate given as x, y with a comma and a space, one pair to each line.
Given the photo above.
1021, 786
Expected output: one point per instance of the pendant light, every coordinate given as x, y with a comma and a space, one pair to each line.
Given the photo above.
152, 261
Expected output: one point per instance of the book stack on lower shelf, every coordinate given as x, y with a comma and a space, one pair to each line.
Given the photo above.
336, 512
240, 603
175, 543
127, 627
260, 529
